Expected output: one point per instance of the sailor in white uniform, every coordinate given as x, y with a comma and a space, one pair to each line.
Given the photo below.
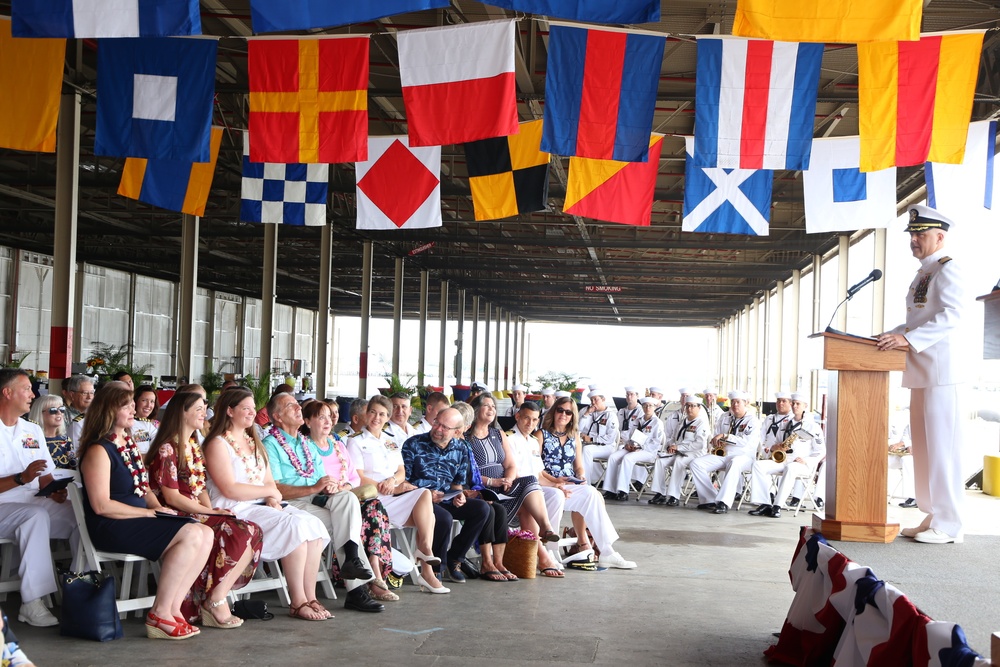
517, 395
935, 371
685, 444
631, 413
641, 444
598, 433
738, 432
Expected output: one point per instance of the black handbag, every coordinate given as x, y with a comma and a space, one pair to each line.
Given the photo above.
88, 606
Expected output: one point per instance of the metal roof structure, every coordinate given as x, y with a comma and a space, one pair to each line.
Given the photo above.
543, 266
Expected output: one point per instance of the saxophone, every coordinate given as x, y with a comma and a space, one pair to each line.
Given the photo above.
780, 453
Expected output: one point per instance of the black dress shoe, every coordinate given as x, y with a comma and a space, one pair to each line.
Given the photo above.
762, 510
359, 600
819, 503
622, 496
792, 502
610, 495
775, 512
706, 506
909, 502
354, 568
658, 499
720, 508
672, 502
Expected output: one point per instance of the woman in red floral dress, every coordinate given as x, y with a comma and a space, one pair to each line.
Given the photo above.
177, 476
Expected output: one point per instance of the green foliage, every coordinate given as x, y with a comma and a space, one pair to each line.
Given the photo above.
397, 386
558, 381
212, 382
16, 359
260, 387
106, 359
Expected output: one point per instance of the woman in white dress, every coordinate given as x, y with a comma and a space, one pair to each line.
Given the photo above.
379, 461
240, 480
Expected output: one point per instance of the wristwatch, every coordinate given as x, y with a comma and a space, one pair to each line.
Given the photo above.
18, 480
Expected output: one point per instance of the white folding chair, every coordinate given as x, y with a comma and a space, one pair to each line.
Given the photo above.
649, 467
9, 557
91, 558
268, 577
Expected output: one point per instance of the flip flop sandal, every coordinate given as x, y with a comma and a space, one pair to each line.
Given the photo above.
510, 576
492, 575
552, 573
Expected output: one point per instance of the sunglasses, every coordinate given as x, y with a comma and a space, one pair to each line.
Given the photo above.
54, 411
563, 411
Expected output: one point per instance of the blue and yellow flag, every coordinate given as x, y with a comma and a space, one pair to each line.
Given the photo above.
171, 184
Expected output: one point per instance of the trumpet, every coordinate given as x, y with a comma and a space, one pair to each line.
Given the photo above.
780, 452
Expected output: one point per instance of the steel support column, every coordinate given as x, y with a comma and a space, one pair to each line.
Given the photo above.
397, 314
366, 316
268, 295
187, 293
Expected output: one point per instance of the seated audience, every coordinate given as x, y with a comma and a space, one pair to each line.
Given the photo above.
47, 411
642, 441
240, 480
433, 404
685, 444
147, 409
599, 433
176, 466
379, 461
124, 515
738, 435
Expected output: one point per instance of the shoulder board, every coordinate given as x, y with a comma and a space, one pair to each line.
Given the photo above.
355, 434
345, 433
143, 419
80, 417
31, 421
944, 260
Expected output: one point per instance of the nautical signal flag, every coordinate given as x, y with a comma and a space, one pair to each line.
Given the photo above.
97, 18
838, 196
614, 191
398, 186
308, 99
508, 175
282, 16
154, 98
458, 82
600, 93
620, 11
755, 103
175, 185
915, 99
845, 21
970, 191
725, 201
30, 83
280, 193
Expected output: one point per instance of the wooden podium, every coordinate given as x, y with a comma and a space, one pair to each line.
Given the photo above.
991, 325
857, 436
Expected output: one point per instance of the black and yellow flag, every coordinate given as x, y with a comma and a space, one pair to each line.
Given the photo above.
508, 175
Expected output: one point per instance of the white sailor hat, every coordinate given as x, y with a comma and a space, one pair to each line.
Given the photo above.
923, 218
739, 394
692, 399
711, 390
631, 390
655, 390
782, 394
684, 392
520, 387
562, 394
548, 391
648, 399
799, 396
596, 392
591, 387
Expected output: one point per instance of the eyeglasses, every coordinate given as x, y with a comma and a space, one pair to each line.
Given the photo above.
563, 411
85, 393
54, 411
446, 428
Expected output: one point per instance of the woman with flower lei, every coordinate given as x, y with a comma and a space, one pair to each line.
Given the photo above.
177, 476
240, 480
124, 515
320, 416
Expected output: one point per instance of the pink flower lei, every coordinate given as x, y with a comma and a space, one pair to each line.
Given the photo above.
307, 470
133, 461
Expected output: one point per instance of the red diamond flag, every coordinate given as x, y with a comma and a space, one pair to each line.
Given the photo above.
398, 186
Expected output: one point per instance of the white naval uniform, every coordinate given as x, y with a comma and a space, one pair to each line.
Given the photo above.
397, 433
772, 428
899, 431
621, 463
602, 427
627, 417
691, 440
74, 428
810, 447
423, 426
935, 370
29, 520
380, 457
743, 437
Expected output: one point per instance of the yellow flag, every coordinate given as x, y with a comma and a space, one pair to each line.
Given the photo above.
844, 21
30, 83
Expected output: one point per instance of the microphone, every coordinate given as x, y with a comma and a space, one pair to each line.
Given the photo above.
875, 275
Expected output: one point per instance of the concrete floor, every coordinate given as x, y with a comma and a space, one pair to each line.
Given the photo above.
709, 590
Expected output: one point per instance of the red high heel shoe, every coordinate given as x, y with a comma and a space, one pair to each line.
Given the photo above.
162, 628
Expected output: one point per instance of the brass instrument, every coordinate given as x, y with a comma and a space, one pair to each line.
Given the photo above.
780, 452
720, 449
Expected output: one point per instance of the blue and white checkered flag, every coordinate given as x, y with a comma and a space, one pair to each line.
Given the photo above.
290, 194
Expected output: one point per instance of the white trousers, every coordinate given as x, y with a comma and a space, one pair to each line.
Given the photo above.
936, 433
342, 517
621, 468
677, 464
555, 502
905, 465
588, 501
590, 452
761, 478
734, 467
32, 524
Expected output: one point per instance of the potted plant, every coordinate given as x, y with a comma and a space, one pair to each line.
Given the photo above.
397, 386
212, 383
260, 387
105, 360
558, 381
